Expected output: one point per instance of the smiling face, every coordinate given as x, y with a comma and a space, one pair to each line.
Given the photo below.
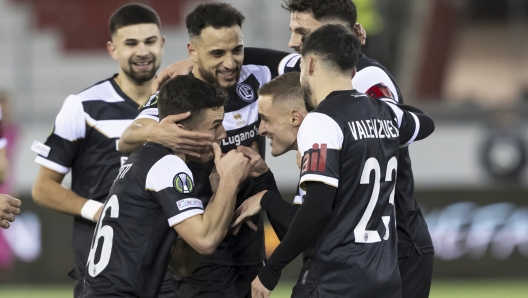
219, 54
301, 25
211, 124
277, 124
138, 50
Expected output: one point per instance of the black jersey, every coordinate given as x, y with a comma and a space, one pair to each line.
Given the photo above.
84, 140
351, 142
154, 190
241, 123
376, 81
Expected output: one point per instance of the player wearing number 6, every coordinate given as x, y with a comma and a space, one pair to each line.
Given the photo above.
153, 200
349, 144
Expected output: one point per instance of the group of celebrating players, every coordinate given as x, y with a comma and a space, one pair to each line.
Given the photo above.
168, 190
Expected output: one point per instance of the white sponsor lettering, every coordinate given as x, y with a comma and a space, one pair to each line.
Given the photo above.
241, 137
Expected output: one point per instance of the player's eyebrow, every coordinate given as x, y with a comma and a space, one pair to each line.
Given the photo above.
262, 116
216, 52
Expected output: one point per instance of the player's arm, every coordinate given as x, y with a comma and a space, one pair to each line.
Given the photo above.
9, 207
205, 231
413, 124
278, 62
48, 192
147, 128
309, 221
56, 157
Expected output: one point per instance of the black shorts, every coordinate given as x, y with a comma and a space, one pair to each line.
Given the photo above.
416, 272
214, 281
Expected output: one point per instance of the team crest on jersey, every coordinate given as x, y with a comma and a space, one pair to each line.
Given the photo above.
245, 92
314, 160
183, 183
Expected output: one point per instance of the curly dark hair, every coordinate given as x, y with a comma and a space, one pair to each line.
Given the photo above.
342, 10
215, 14
188, 94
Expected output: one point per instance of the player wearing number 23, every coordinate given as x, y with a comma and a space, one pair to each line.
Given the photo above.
350, 144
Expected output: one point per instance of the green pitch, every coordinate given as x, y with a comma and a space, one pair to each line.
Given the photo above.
440, 289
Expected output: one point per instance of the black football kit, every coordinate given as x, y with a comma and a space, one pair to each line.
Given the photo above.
350, 144
132, 244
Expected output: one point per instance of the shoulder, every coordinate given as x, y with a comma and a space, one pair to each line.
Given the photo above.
260, 72
320, 126
166, 172
102, 91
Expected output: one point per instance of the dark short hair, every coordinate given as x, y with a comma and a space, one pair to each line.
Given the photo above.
188, 94
334, 44
216, 14
342, 10
285, 88
133, 14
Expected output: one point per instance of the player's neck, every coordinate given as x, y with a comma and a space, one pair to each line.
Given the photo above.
327, 84
182, 156
137, 92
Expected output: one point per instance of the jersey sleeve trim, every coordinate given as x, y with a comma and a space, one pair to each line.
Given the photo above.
52, 165
184, 216
319, 178
288, 61
397, 111
416, 130
3, 143
319, 128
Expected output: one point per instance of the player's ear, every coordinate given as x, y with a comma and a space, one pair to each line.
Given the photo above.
110, 46
191, 49
297, 118
311, 64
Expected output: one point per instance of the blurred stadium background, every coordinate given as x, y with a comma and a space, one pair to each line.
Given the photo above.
463, 61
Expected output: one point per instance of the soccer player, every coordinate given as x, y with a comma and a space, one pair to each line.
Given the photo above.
350, 145
153, 200
217, 53
9, 207
87, 128
415, 246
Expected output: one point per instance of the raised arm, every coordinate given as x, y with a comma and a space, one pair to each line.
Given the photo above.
205, 231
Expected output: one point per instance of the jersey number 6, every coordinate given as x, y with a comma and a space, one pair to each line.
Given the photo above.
108, 234
361, 234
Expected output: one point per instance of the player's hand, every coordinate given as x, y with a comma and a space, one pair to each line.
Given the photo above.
98, 214
9, 207
248, 208
214, 179
181, 141
258, 290
182, 67
260, 166
361, 33
234, 165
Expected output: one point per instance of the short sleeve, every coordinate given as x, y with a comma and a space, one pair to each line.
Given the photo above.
171, 184
375, 82
320, 140
61, 147
408, 124
150, 109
